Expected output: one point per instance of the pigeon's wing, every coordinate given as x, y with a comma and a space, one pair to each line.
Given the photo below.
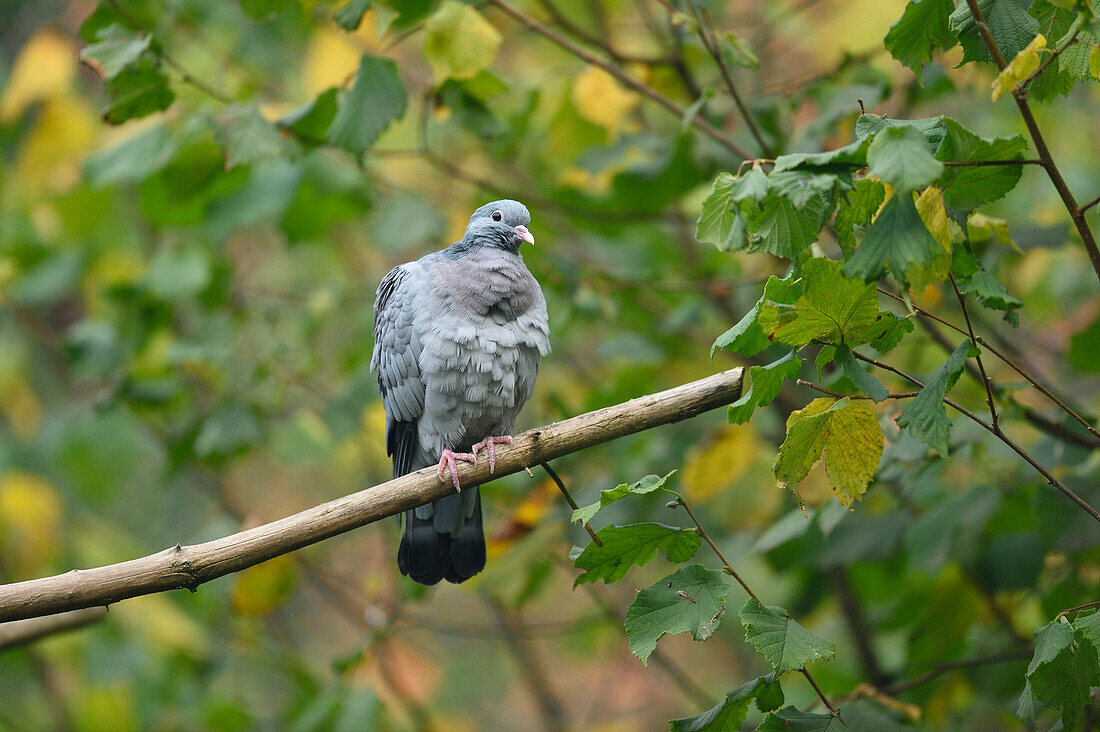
396, 361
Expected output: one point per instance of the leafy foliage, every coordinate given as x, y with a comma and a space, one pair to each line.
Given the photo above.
637, 544
690, 600
781, 640
730, 713
926, 416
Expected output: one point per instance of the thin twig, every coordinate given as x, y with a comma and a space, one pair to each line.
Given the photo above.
981, 367
1090, 204
838, 395
1086, 606
1011, 364
569, 499
701, 124
1076, 213
1000, 434
947, 667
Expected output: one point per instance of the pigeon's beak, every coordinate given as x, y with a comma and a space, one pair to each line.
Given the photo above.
523, 233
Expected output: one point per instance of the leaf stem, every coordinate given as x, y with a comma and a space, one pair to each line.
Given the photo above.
569, 499
838, 395
1086, 606
943, 668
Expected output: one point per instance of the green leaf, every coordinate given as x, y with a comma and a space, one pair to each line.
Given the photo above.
764, 385
1009, 22
133, 159
900, 156
246, 136
350, 15
692, 599
137, 91
776, 636
925, 416
459, 42
375, 100
857, 208
803, 186
993, 295
855, 372
854, 153
1088, 627
1063, 669
115, 49
898, 237
1083, 347
781, 229
842, 431
1028, 707
921, 29
791, 719
747, 338
831, 308
633, 545
718, 224
730, 713
738, 52
931, 127
228, 431
888, 331
648, 484
311, 121
176, 274
967, 188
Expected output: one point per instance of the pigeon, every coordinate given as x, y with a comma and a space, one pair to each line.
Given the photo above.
458, 335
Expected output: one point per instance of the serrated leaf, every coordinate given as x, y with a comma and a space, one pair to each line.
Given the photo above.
690, 600
832, 307
718, 222
459, 42
863, 380
993, 295
1028, 707
922, 28
1088, 627
933, 212
137, 91
1009, 22
246, 136
888, 331
764, 385
900, 156
854, 153
133, 159
898, 238
931, 127
311, 121
1019, 68
857, 208
633, 545
791, 719
801, 186
350, 14
375, 100
842, 431
115, 49
1063, 669
747, 338
926, 416
1094, 62
967, 188
648, 484
730, 713
779, 638
781, 229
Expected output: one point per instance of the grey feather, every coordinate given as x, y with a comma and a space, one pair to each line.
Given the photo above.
457, 339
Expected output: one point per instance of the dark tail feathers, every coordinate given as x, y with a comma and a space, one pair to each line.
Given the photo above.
449, 544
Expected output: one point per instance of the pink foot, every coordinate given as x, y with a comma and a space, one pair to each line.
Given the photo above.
488, 443
448, 459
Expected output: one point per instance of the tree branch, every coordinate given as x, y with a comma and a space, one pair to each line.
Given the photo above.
981, 367
1076, 212
22, 632
627, 80
191, 566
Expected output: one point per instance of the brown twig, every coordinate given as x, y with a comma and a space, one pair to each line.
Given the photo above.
838, 395
1076, 213
1069, 493
569, 499
1051, 59
947, 667
22, 632
981, 367
627, 80
1086, 606
1090, 204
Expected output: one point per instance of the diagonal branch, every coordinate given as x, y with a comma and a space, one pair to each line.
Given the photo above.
22, 632
626, 79
190, 566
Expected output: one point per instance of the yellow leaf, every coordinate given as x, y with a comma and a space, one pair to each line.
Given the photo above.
44, 68
933, 213
1094, 62
459, 42
50, 157
259, 590
600, 100
1021, 67
30, 522
330, 60
980, 227
720, 463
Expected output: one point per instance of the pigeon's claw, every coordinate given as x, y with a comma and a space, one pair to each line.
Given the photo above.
488, 444
447, 459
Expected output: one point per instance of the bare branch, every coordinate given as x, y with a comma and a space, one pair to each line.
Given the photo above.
22, 632
981, 367
190, 566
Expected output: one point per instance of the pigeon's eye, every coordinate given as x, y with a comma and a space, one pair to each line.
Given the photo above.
497, 215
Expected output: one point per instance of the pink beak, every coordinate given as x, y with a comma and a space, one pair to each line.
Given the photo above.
525, 234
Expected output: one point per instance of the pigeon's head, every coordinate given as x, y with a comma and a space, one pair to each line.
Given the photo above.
500, 224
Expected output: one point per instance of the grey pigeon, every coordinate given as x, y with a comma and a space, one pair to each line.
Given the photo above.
457, 339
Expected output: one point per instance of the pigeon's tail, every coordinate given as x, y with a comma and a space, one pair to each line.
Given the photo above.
443, 540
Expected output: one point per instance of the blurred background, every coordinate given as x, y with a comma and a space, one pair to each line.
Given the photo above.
185, 316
